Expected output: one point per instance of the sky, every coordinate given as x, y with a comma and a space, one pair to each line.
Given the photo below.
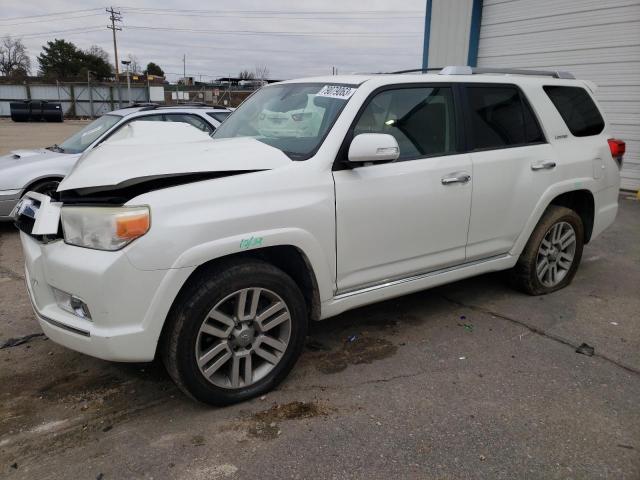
222, 37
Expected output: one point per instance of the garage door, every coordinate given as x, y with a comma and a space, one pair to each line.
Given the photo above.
597, 40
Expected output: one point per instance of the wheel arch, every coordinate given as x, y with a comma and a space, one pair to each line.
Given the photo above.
288, 258
581, 202
563, 194
41, 179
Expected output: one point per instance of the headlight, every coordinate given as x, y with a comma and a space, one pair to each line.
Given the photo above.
104, 228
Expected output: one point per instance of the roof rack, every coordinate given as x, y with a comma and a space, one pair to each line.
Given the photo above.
466, 70
414, 70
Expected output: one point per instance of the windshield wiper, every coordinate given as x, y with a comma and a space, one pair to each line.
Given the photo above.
56, 148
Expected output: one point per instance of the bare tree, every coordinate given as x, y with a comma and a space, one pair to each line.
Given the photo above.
261, 73
135, 66
99, 52
246, 75
14, 59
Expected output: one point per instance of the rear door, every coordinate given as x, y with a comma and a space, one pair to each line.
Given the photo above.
409, 216
512, 166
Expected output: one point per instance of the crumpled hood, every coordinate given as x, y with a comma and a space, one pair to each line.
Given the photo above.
132, 159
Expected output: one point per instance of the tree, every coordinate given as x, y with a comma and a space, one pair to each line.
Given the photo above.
262, 72
134, 66
60, 59
246, 75
96, 60
14, 59
153, 69
98, 51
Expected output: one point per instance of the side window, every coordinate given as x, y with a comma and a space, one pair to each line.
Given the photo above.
421, 119
219, 116
194, 120
500, 117
577, 110
148, 118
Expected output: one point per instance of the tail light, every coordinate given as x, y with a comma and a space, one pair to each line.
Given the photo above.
617, 147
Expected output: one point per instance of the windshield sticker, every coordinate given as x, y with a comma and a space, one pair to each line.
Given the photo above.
336, 91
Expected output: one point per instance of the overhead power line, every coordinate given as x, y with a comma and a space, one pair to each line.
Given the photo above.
48, 20
267, 16
276, 12
70, 31
282, 33
56, 14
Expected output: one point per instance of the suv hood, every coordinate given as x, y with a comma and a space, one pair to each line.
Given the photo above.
133, 160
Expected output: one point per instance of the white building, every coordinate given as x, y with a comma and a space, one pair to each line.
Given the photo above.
597, 40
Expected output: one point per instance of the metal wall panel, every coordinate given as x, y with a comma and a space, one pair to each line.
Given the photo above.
449, 32
598, 40
13, 92
100, 96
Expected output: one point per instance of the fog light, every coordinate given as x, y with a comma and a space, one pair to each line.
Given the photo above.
72, 304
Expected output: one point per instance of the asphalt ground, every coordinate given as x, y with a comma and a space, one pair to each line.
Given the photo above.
469, 380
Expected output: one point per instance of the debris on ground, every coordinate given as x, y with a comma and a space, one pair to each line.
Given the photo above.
462, 358
614, 323
364, 350
586, 349
14, 465
467, 326
316, 346
14, 342
352, 338
266, 426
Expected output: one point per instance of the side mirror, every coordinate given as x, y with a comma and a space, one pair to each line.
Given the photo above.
373, 147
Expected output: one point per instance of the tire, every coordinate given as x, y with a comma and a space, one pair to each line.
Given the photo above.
205, 326
46, 187
525, 275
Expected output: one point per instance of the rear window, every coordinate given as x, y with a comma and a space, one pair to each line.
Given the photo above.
501, 117
577, 109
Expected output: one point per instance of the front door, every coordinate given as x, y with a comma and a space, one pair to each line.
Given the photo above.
410, 216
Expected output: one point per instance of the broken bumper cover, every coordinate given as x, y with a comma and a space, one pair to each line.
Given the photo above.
128, 306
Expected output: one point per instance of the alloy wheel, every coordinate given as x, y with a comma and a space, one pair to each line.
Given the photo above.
243, 337
556, 254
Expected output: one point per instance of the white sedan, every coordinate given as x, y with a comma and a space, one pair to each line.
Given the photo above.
40, 170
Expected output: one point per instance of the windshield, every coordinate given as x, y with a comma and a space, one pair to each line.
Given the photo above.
79, 142
293, 117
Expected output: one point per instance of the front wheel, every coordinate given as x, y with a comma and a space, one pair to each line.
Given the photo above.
552, 255
235, 332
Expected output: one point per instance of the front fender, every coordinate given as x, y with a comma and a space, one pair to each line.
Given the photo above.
245, 242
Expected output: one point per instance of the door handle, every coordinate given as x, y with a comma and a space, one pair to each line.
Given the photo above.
546, 165
455, 178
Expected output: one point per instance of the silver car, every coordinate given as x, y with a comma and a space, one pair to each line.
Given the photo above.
40, 170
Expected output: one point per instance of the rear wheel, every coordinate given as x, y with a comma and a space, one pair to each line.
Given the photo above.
552, 255
235, 332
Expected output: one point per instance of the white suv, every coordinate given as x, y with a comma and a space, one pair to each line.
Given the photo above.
216, 253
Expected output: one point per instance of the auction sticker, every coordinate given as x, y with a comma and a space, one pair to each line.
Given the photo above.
336, 91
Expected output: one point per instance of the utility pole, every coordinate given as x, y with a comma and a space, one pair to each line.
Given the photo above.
115, 17
184, 74
126, 63
89, 72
